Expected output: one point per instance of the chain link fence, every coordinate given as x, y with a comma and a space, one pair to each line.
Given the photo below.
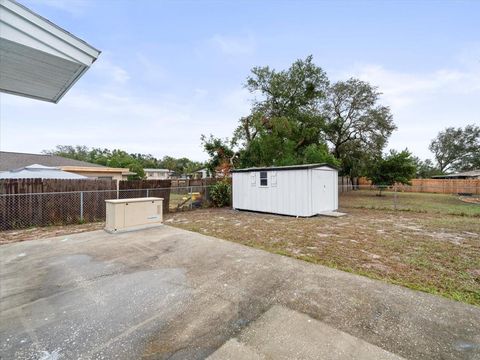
26, 210
466, 202
61, 208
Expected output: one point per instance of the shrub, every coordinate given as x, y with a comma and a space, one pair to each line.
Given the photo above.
220, 194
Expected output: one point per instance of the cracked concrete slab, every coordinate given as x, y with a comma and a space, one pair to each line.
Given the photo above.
168, 293
284, 334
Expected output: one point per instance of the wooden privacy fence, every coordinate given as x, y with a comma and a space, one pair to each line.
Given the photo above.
439, 186
146, 188
182, 183
43, 202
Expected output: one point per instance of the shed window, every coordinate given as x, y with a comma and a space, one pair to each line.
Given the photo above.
263, 178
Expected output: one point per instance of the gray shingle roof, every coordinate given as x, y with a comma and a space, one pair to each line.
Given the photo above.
15, 160
465, 174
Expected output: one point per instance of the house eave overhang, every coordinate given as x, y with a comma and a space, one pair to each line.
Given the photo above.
39, 59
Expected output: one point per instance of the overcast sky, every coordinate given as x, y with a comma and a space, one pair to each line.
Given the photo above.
172, 70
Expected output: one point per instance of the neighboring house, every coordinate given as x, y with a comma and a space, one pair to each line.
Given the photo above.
39, 59
300, 190
178, 176
474, 174
205, 174
157, 174
201, 174
37, 171
14, 160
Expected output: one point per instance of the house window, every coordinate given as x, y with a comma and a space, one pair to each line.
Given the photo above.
263, 178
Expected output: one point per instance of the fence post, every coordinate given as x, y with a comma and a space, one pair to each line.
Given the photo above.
395, 197
191, 200
147, 192
81, 206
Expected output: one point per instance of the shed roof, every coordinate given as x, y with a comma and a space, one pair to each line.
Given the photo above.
39, 59
15, 160
282, 168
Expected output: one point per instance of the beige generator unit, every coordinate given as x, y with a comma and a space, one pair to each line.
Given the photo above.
133, 214
300, 190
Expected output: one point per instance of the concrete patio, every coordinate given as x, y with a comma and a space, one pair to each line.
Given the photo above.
168, 293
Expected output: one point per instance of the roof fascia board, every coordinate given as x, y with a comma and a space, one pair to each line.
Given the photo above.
92, 168
64, 90
49, 27
14, 27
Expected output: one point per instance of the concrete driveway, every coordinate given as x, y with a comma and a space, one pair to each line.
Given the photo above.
168, 293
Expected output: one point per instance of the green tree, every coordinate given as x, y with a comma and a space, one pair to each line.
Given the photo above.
77, 152
394, 168
296, 113
119, 158
221, 153
425, 168
168, 162
221, 193
457, 149
356, 125
285, 108
137, 169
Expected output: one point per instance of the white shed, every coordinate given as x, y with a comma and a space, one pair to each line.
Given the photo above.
300, 190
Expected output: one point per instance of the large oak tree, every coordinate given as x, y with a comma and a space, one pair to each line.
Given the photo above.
356, 125
457, 149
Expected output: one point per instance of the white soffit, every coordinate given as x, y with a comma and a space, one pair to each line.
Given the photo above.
38, 59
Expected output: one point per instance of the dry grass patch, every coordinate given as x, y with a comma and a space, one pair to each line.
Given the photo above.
34, 233
436, 254
447, 204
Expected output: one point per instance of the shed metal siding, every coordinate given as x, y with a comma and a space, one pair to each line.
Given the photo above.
324, 190
293, 193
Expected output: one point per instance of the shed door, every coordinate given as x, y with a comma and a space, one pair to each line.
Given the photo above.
323, 190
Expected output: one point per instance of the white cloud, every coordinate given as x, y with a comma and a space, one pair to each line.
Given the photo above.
239, 101
425, 103
113, 118
200, 94
402, 89
119, 75
151, 70
234, 45
110, 73
74, 7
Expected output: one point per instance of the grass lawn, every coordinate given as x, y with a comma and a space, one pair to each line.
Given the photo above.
439, 254
177, 199
406, 201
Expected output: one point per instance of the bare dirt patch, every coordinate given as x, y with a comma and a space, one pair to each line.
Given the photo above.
46, 232
470, 199
429, 252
